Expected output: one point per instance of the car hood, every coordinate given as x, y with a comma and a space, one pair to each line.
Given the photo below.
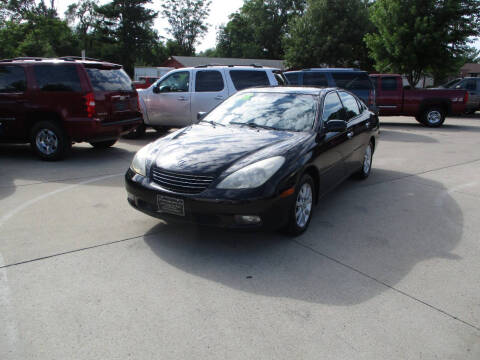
210, 150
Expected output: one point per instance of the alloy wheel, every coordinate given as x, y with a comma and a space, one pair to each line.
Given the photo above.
46, 141
303, 206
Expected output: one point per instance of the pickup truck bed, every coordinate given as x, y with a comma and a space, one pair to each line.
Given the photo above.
429, 106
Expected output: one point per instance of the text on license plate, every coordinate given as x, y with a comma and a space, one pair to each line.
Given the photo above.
170, 205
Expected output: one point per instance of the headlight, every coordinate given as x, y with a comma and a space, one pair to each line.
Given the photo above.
140, 161
253, 175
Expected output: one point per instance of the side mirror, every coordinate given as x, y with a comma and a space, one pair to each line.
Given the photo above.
201, 115
335, 126
156, 90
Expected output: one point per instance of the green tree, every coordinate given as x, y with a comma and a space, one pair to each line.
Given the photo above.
32, 29
415, 37
329, 33
83, 16
257, 29
126, 31
187, 22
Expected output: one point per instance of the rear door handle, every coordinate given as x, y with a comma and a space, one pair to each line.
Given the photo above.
219, 97
350, 134
182, 98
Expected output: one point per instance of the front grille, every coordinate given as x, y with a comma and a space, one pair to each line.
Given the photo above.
181, 183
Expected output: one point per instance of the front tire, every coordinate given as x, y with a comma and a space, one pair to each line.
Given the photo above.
433, 117
103, 144
302, 209
49, 141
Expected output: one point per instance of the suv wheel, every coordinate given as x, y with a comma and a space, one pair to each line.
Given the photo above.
103, 144
433, 117
49, 141
302, 208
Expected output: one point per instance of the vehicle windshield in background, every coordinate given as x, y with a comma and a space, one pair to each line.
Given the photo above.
109, 79
270, 110
352, 81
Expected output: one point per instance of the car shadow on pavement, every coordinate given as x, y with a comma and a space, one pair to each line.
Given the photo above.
360, 238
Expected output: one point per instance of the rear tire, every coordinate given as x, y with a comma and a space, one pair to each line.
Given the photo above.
137, 133
103, 144
366, 168
49, 141
302, 209
433, 117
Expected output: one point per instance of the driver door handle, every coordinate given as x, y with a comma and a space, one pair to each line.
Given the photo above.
350, 134
219, 97
182, 98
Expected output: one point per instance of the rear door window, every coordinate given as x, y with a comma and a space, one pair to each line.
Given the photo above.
57, 78
350, 104
352, 80
209, 81
389, 83
12, 79
315, 78
243, 79
332, 107
109, 79
292, 78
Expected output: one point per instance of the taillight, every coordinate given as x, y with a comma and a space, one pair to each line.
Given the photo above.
90, 104
138, 103
465, 98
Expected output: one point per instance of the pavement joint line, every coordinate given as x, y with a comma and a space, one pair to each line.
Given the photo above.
56, 180
77, 250
420, 173
386, 285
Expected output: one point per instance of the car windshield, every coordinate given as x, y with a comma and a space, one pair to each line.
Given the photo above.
280, 111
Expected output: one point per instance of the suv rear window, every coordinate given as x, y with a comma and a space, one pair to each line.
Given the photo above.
12, 79
352, 80
243, 79
57, 78
109, 79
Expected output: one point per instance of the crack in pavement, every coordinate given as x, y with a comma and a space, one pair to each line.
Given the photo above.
385, 284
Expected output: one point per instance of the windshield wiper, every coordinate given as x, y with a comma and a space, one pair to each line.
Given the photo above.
212, 122
253, 125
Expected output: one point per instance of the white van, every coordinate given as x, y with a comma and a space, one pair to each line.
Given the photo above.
176, 98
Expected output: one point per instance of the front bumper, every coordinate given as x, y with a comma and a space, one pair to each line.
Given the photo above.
215, 211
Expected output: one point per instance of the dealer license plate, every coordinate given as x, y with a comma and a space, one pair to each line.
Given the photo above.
170, 205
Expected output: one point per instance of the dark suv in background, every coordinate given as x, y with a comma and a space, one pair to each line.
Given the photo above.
354, 80
52, 103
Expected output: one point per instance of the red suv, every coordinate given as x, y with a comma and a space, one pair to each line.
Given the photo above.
52, 103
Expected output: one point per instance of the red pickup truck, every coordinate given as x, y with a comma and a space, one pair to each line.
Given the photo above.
429, 106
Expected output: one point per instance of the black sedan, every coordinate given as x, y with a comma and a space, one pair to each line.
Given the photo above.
261, 159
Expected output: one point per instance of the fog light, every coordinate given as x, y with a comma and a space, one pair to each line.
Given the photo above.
247, 219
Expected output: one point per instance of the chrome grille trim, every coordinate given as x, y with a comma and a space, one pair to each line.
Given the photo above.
181, 183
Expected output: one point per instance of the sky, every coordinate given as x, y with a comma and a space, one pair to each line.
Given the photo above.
219, 11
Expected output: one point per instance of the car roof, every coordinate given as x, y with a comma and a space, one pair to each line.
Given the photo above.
327, 70
306, 90
235, 67
64, 59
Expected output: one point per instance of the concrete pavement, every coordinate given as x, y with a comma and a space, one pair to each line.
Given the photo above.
388, 269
